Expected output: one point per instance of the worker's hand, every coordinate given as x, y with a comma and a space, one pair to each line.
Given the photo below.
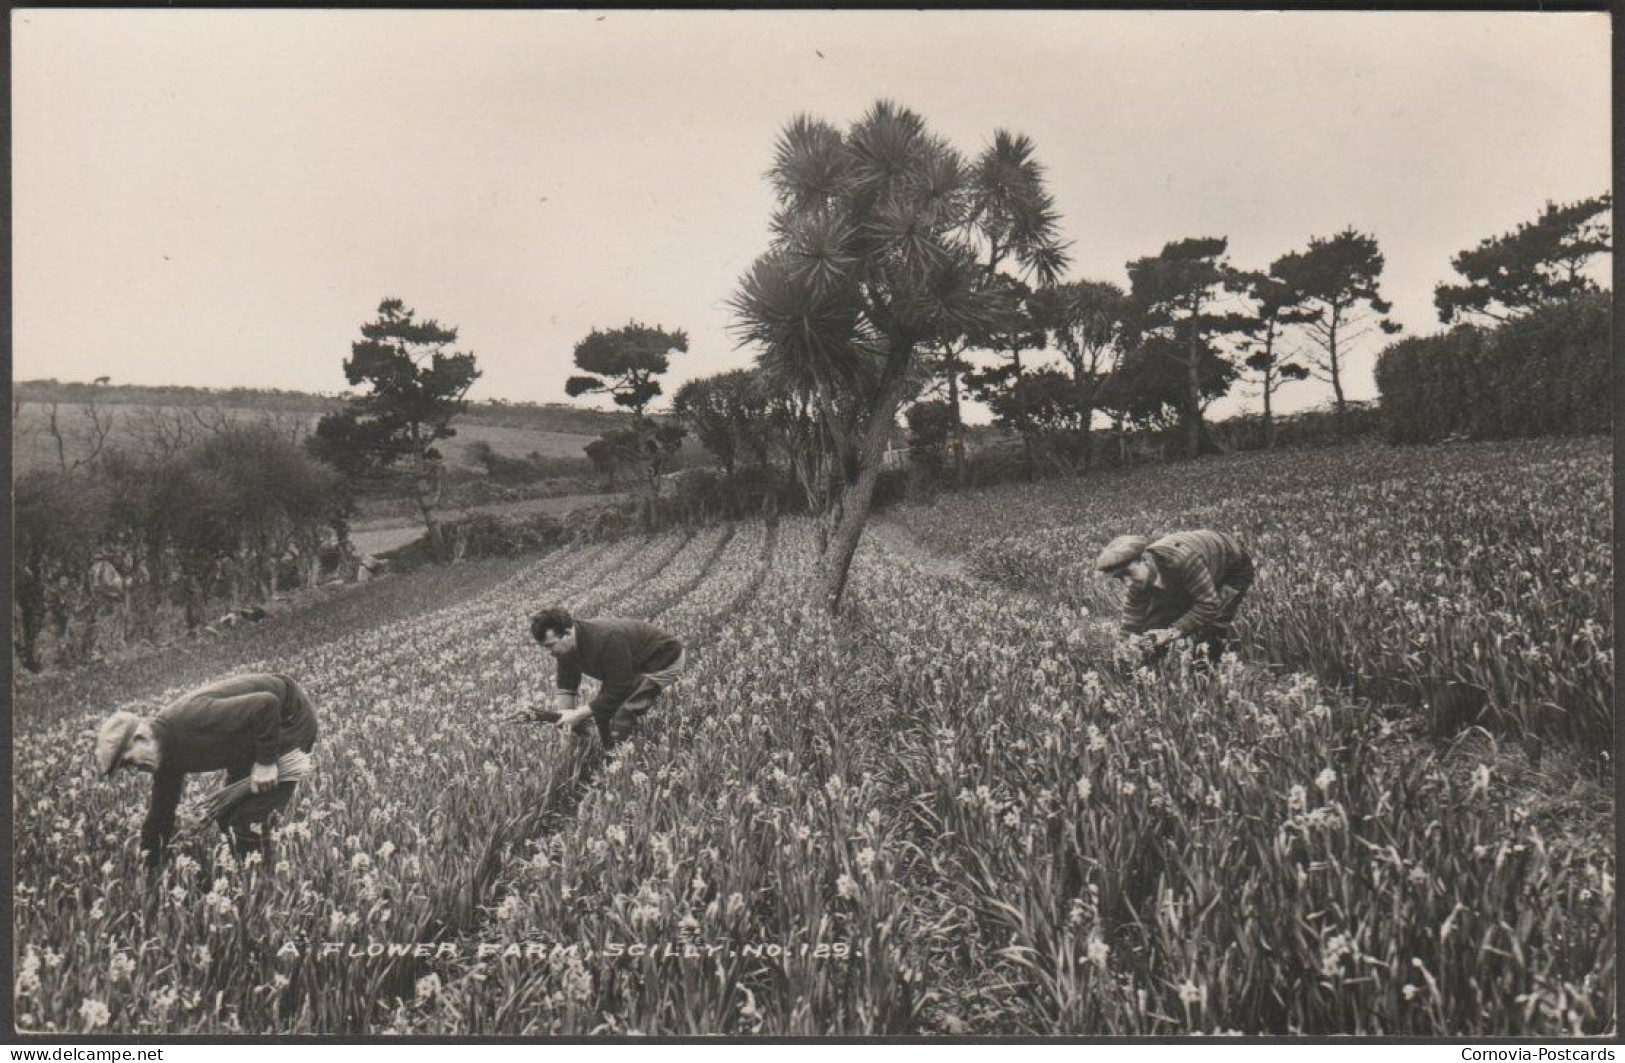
262, 778
569, 719
1162, 636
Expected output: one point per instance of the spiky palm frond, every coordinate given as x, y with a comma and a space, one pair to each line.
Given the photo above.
803, 333
950, 298
941, 189
816, 245
810, 164
1013, 212
1047, 263
885, 144
903, 232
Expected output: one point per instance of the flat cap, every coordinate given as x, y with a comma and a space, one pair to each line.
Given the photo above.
1120, 551
112, 739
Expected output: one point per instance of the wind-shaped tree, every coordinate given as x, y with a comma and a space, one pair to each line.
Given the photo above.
1334, 283
869, 263
624, 363
1273, 311
1176, 295
416, 386
1089, 321
1508, 276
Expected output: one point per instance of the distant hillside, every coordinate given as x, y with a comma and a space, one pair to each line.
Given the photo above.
513, 429
553, 417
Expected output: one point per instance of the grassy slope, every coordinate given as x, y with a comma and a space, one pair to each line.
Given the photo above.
553, 430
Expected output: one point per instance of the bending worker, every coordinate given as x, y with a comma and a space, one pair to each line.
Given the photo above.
242, 725
633, 660
1188, 584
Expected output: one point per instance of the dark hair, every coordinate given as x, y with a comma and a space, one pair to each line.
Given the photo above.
554, 618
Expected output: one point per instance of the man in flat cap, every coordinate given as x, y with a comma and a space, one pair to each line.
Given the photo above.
632, 660
1185, 585
241, 725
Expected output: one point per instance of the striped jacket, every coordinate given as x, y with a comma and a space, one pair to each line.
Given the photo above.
1191, 567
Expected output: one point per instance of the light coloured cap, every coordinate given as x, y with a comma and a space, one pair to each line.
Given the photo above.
113, 738
1120, 551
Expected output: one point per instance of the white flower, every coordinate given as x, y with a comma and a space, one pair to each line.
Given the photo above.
846, 886
1297, 798
1099, 953
1325, 779
94, 1014
577, 982
386, 850
428, 987
28, 973
1085, 788
866, 860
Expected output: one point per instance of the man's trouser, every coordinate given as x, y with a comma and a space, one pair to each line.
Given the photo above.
1218, 636
249, 823
616, 722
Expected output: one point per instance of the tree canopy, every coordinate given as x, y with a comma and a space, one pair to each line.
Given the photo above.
415, 386
1536, 264
624, 363
1175, 298
870, 260
1334, 287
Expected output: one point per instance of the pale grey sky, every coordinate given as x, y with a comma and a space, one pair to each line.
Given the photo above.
220, 198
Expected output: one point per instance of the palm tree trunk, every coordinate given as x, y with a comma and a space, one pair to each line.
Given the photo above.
855, 498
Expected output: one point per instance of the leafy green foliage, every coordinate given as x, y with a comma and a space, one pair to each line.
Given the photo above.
1549, 372
1538, 263
873, 259
730, 414
1178, 367
415, 386
1272, 313
1333, 290
624, 363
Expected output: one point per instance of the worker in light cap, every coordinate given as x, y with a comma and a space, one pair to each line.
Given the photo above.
1185, 585
240, 725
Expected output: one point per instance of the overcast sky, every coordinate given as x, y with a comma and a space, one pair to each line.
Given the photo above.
220, 198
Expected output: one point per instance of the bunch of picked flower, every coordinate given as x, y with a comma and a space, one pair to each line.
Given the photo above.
293, 766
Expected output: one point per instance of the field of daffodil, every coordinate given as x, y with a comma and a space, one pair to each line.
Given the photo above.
956, 809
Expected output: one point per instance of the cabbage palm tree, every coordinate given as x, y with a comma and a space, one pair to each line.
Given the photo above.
870, 262
1016, 231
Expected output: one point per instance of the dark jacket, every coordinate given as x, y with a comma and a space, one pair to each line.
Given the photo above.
1192, 568
229, 725
616, 653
